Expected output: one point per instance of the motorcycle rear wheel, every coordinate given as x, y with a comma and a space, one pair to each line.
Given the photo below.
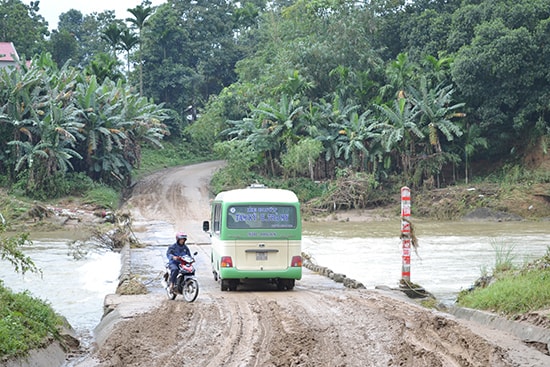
190, 290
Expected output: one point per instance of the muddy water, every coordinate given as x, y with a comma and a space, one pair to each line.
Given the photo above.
451, 255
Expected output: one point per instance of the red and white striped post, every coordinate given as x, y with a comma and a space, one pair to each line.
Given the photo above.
406, 234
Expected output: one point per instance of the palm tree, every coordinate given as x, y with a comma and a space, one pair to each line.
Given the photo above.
436, 111
140, 13
127, 42
111, 35
282, 125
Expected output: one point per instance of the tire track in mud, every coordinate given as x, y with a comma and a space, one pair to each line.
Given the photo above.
295, 338
260, 330
309, 326
431, 338
237, 335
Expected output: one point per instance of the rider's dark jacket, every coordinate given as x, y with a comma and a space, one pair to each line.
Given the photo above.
177, 250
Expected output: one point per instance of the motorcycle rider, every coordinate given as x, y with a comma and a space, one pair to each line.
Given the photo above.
177, 249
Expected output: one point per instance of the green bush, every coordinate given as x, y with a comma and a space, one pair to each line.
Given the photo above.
304, 188
170, 155
59, 185
512, 294
515, 291
239, 172
103, 197
25, 323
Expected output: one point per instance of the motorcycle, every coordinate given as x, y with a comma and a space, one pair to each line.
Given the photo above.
186, 282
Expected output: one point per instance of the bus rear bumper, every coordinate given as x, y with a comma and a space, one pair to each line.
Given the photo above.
234, 273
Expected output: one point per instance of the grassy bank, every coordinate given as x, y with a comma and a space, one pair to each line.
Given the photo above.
26, 323
512, 290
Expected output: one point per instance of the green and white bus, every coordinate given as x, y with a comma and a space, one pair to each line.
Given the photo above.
256, 233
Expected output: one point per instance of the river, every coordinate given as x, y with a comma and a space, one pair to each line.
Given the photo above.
450, 257
74, 286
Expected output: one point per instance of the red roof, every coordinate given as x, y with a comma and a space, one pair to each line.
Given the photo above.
8, 52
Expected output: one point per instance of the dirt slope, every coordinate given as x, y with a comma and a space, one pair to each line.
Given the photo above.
319, 323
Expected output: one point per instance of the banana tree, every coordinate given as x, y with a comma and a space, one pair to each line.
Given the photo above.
436, 114
280, 125
332, 115
141, 121
436, 111
42, 121
101, 135
357, 135
401, 131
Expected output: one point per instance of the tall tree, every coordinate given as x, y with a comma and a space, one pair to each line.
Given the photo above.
64, 47
22, 25
111, 35
87, 32
190, 52
504, 91
127, 42
141, 14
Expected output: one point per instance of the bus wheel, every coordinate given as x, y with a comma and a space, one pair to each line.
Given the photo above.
287, 284
215, 276
233, 285
290, 284
224, 285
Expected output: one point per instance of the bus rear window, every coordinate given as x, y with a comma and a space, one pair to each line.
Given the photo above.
261, 217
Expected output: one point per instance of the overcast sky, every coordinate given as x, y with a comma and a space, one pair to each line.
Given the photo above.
51, 9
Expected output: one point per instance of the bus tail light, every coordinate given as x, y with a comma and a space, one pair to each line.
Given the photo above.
296, 262
226, 262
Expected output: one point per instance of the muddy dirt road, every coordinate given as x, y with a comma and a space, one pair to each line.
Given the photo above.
319, 323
